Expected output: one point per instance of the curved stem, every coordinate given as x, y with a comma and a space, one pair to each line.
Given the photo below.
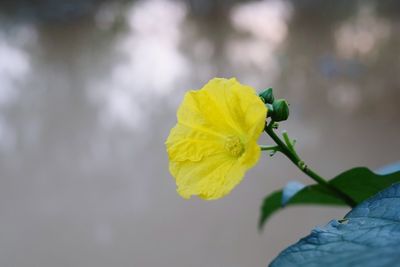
292, 156
289, 143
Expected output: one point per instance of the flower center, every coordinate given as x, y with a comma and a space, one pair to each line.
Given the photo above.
234, 146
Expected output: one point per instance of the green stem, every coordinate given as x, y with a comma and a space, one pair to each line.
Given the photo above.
269, 148
292, 156
289, 143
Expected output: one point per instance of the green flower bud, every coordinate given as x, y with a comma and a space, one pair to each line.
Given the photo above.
270, 110
267, 96
280, 110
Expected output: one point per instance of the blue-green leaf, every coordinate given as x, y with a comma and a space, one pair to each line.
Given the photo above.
368, 236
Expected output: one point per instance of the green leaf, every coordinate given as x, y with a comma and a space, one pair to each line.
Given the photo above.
271, 204
314, 194
359, 183
368, 236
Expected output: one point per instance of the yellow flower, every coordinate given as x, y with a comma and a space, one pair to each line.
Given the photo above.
215, 140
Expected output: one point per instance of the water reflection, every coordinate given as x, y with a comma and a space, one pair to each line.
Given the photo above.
346, 97
266, 25
150, 64
87, 101
362, 35
266, 20
14, 66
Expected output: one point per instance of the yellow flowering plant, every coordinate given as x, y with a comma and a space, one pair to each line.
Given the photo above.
215, 139
214, 143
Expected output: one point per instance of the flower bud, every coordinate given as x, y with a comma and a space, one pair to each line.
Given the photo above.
267, 96
270, 109
280, 110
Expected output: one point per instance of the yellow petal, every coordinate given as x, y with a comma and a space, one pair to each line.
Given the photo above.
209, 179
199, 112
185, 143
251, 155
239, 104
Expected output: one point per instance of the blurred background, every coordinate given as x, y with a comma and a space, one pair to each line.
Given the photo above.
88, 94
